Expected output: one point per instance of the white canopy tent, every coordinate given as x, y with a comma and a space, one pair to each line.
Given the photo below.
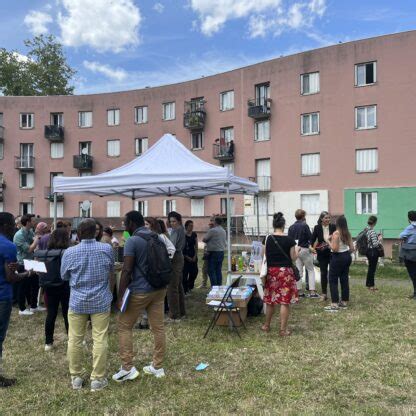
167, 168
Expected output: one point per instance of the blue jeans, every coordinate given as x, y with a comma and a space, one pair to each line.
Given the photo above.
5, 312
215, 260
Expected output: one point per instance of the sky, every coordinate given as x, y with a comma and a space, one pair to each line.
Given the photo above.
117, 45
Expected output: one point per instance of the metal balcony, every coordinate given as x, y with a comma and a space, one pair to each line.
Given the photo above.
264, 183
54, 133
1, 133
49, 195
2, 186
223, 153
83, 162
259, 108
24, 162
195, 114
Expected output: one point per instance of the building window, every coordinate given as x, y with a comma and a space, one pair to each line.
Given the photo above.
263, 174
197, 140
1, 207
311, 164
57, 119
227, 100
113, 148
197, 207
262, 130
85, 213
169, 111
229, 166
27, 180
142, 207
309, 124
85, 148
57, 150
140, 114
1, 119
85, 118
59, 210
85, 173
227, 134
365, 74
1, 150
309, 83
25, 208
366, 117
366, 202
310, 203
366, 160
27, 120
54, 175
223, 206
141, 145
262, 93
113, 117
113, 209
26, 155
169, 205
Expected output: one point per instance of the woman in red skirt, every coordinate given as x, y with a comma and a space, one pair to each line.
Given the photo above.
280, 288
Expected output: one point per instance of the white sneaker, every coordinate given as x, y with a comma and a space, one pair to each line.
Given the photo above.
38, 309
48, 347
26, 312
77, 382
97, 385
158, 373
124, 375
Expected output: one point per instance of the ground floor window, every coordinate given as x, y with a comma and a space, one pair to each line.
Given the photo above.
366, 202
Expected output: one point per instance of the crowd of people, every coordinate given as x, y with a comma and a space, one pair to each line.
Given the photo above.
159, 269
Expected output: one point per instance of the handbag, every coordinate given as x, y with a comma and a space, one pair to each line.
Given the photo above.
380, 250
294, 268
263, 270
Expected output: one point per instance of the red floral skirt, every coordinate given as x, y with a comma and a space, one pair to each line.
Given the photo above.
280, 286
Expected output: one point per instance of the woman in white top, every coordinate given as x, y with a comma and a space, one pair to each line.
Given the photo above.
341, 247
153, 224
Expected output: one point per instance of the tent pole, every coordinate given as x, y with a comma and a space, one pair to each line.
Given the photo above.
132, 199
228, 228
55, 209
258, 217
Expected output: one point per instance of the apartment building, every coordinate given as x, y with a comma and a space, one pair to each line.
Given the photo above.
328, 129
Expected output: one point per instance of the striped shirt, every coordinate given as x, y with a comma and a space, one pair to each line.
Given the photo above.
372, 238
87, 267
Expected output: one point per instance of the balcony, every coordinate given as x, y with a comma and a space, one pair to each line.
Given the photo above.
259, 108
24, 162
54, 133
49, 195
1, 133
83, 162
2, 186
264, 183
195, 114
223, 152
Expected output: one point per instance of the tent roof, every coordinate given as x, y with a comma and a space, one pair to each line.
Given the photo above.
167, 168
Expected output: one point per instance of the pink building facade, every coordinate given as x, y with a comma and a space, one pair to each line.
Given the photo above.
307, 127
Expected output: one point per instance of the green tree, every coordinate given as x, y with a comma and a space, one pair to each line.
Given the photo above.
44, 71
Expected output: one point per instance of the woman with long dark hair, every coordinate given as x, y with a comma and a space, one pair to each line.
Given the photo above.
56, 289
320, 242
341, 246
155, 225
190, 254
280, 288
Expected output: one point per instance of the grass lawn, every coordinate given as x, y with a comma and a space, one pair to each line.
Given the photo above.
359, 361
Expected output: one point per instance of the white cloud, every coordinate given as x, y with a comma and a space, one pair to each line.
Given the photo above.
159, 7
115, 74
264, 16
104, 25
37, 22
21, 58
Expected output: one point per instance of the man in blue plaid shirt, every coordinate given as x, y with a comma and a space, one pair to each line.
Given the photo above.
88, 267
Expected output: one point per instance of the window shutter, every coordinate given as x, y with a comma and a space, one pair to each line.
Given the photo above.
146, 208
174, 205
57, 150
358, 205
116, 117
30, 180
374, 202
164, 207
110, 120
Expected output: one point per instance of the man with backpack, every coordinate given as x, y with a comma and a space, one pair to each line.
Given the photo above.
145, 275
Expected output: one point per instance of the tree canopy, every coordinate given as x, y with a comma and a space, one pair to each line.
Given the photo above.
43, 71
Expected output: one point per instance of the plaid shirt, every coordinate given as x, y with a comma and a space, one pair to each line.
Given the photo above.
87, 266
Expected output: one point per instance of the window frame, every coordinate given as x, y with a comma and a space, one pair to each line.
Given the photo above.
356, 74
373, 195
301, 164
201, 208
57, 144
312, 133
136, 141
109, 110
201, 133
32, 117
136, 111
366, 117
222, 94
256, 140
145, 203
80, 117
116, 207
119, 147
356, 160
312, 194
29, 205
26, 186
302, 81
170, 103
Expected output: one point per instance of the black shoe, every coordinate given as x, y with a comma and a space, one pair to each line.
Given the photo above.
7, 382
302, 295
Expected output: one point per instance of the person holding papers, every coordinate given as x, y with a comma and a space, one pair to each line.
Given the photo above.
88, 267
142, 296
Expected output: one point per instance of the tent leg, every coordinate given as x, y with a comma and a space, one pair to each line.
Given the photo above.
228, 229
55, 209
258, 217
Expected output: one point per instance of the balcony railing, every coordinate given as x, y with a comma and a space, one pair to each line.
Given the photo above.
2, 186
264, 183
24, 162
259, 108
83, 162
1, 133
49, 195
195, 114
223, 153
54, 133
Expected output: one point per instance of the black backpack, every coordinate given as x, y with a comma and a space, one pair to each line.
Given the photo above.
361, 242
52, 259
159, 269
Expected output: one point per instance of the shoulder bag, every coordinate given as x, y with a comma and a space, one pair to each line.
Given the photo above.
294, 268
263, 270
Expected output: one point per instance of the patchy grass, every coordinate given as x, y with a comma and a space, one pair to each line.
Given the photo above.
388, 271
359, 361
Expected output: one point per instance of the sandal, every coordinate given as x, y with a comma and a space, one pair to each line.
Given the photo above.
265, 328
